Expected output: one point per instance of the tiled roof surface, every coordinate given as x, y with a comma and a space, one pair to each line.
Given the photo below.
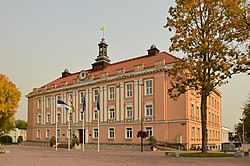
126, 65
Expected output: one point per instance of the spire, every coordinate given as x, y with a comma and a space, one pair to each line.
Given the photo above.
102, 59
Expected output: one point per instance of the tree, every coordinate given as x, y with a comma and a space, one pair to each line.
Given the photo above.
209, 32
9, 98
21, 124
246, 115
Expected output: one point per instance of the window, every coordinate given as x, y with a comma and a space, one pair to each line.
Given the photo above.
111, 113
111, 93
95, 133
148, 87
198, 133
128, 133
58, 116
81, 116
38, 134
192, 110
95, 115
81, 96
193, 133
70, 116
212, 118
39, 104
39, 118
57, 98
210, 135
149, 131
129, 90
58, 133
149, 110
70, 97
48, 102
111, 133
197, 111
96, 93
47, 133
129, 112
48, 117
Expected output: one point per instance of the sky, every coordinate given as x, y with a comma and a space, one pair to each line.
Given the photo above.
39, 39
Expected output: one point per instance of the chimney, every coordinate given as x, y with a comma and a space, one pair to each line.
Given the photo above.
66, 73
153, 50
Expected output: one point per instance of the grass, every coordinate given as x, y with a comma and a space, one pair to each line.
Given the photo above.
200, 155
2, 152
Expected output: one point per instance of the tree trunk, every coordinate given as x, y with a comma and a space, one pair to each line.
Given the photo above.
204, 121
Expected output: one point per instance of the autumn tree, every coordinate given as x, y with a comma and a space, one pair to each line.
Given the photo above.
9, 98
246, 119
209, 34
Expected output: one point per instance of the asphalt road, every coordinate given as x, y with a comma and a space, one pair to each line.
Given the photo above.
43, 156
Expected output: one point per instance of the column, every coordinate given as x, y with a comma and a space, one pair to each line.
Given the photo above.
136, 99
76, 107
53, 108
87, 105
90, 105
117, 97
122, 100
105, 103
101, 104
140, 96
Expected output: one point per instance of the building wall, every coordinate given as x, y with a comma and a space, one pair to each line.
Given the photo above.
171, 121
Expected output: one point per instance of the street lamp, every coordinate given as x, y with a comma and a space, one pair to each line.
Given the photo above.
141, 118
243, 128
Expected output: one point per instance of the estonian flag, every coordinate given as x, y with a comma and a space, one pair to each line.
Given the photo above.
83, 103
98, 102
61, 103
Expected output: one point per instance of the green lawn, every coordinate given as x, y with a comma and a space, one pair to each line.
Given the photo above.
197, 155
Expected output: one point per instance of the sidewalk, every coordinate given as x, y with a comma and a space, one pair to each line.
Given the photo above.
43, 156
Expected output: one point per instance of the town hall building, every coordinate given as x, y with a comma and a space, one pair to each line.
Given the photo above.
132, 92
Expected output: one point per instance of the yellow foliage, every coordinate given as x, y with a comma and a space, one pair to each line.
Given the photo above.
9, 98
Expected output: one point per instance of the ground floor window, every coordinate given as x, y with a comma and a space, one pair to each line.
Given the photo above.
95, 133
128, 133
111, 133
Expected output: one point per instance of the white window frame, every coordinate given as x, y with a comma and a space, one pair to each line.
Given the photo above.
109, 133
48, 117
81, 96
111, 93
129, 112
193, 133
197, 111
58, 133
39, 103
48, 102
70, 97
149, 131
95, 133
81, 114
146, 109
148, 90
112, 113
95, 94
58, 117
129, 90
192, 109
39, 118
47, 135
95, 114
38, 133
128, 133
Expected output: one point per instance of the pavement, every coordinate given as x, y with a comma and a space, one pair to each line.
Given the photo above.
19, 155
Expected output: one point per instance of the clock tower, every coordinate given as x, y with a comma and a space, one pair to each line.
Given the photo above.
102, 59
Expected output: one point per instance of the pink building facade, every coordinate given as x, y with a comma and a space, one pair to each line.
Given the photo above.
130, 91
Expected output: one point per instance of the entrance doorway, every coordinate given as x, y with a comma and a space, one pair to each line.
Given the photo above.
80, 136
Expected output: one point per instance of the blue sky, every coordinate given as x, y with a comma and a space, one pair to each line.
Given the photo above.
39, 39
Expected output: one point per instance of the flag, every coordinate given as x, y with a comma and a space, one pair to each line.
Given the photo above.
83, 103
72, 106
61, 103
98, 102
102, 29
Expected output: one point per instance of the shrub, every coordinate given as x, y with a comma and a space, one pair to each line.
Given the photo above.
52, 141
20, 139
6, 139
152, 142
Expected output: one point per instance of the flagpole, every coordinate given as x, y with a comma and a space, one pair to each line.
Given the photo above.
98, 133
56, 131
68, 132
83, 131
